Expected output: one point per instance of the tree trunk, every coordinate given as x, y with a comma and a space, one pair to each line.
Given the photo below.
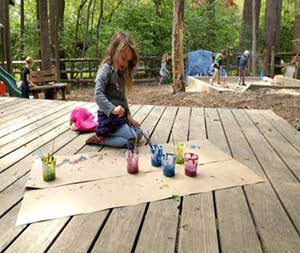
99, 25
1, 45
211, 14
157, 4
83, 2
4, 19
254, 33
22, 29
246, 34
86, 34
271, 31
44, 35
93, 14
177, 46
54, 28
61, 12
297, 23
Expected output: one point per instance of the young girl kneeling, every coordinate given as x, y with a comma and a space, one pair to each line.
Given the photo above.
116, 127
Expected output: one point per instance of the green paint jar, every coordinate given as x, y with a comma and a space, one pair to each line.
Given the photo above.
49, 167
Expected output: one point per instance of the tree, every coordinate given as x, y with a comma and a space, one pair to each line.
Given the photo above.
177, 46
4, 20
271, 31
54, 31
99, 25
254, 33
157, 4
297, 22
22, 29
246, 34
44, 35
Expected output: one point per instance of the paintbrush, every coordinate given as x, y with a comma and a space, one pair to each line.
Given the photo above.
173, 139
148, 141
53, 146
40, 154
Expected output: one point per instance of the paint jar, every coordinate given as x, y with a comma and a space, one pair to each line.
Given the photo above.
179, 152
49, 167
132, 157
168, 163
190, 164
156, 155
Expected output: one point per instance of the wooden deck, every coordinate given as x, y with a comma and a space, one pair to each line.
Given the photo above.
263, 217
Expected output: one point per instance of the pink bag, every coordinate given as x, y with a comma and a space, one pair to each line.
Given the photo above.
83, 120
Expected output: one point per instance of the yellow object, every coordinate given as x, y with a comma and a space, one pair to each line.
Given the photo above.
179, 152
49, 167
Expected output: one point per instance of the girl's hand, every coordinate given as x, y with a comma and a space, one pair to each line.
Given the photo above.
118, 110
133, 122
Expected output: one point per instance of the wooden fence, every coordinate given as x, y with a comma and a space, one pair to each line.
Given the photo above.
83, 71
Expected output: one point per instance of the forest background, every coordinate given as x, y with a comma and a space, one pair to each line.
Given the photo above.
89, 25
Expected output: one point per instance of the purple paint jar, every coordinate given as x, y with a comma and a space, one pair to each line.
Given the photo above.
132, 157
190, 164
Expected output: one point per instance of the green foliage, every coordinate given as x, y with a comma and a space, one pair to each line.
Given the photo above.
210, 27
199, 27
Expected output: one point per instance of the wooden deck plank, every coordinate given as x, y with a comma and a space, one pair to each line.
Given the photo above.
33, 230
19, 111
23, 166
159, 230
8, 228
71, 238
48, 229
236, 228
271, 207
198, 225
283, 148
272, 224
12, 107
23, 151
285, 129
44, 112
49, 125
26, 132
198, 232
121, 238
26, 116
5, 103
288, 190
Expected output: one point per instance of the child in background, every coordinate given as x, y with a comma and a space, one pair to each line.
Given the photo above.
217, 65
243, 62
116, 127
26, 81
163, 69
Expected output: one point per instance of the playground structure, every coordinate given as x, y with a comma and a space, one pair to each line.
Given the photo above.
10, 82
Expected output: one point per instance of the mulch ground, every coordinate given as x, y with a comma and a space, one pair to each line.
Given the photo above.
285, 103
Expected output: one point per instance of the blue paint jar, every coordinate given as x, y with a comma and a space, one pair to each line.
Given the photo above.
168, 163
156, 155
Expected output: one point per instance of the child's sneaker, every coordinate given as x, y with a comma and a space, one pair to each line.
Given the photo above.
95, 140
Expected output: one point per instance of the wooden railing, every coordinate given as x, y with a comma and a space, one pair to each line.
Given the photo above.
83, 71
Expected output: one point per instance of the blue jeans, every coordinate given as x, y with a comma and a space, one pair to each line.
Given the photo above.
120, 138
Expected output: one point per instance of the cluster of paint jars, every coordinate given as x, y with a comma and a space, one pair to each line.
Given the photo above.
169, 160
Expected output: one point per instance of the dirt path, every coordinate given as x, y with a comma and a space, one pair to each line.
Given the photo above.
286, 105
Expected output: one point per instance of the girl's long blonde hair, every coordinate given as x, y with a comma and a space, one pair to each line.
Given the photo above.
119, 42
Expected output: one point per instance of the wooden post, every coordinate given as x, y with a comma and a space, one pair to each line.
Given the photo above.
254, 72
272, 61
4, 19
1, 45
177, 46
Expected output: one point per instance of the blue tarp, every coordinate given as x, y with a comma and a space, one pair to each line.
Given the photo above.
200, 63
